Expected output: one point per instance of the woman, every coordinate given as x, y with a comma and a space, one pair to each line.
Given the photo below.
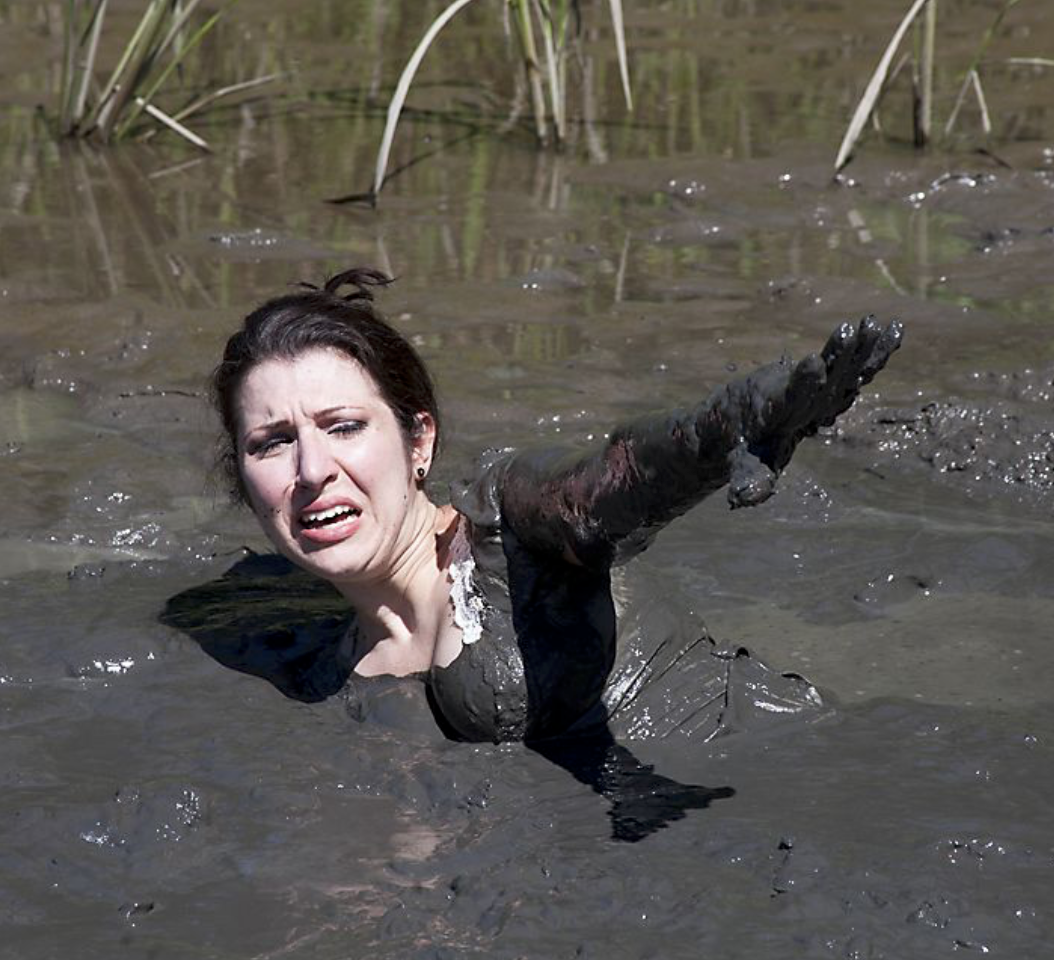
500, 600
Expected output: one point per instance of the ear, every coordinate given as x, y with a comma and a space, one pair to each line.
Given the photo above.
423, 442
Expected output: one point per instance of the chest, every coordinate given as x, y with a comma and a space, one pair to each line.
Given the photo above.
538, 644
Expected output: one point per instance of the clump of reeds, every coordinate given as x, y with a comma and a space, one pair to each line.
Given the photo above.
922, 15
160, 43
552, 22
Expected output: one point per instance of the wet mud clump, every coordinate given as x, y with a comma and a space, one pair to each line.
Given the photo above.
1002, 443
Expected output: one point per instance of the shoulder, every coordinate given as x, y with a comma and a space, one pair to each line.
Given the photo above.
478, 496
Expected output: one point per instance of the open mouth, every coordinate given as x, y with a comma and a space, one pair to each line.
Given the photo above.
320, 519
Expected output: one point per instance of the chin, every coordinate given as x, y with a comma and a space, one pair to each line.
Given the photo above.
329, 563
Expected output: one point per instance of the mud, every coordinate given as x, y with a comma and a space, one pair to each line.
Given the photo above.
983, 447
161, 801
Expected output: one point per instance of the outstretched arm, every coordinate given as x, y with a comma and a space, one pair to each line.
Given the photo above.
604, 508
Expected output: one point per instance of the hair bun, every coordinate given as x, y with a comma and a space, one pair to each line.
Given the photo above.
361, 278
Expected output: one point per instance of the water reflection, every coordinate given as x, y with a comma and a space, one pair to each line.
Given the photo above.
711, 81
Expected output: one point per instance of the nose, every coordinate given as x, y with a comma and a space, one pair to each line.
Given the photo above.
315, 464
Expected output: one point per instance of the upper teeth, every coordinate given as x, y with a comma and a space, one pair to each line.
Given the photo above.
328, 514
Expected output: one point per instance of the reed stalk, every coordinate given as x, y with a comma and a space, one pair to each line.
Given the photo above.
619, 29
531, 66
926, 67
875, 88
158, 48
69, 46
923, 79
982, 104
402, 89
548, 86
971, 78
180, 49
552, 39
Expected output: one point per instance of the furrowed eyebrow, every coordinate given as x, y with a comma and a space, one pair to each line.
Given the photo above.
285, 423
265, 427
341, 408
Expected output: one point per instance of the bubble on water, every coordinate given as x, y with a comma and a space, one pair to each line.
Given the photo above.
257, 237
691, 189
114, 666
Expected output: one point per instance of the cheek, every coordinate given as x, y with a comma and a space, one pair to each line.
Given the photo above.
262, 488
383, 467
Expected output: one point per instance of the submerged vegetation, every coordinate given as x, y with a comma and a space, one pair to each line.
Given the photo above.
151, 58
922, 16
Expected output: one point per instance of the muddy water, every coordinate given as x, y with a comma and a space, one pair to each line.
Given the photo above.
158, 803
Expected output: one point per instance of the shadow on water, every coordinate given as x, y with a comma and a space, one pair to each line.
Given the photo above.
266, 618
642, 801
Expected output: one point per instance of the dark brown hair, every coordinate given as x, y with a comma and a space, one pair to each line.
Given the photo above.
314, 319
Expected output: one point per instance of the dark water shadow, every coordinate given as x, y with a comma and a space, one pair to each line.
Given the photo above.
642, 801
267, 618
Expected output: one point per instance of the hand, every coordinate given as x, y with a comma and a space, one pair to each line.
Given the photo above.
779, 404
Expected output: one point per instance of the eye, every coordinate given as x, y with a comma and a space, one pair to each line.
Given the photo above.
347, 428
267, 445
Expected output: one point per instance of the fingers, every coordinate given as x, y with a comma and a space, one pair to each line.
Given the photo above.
761, 418
886, 345
868, 334
861, 350
844, 351
838, 344
853, 356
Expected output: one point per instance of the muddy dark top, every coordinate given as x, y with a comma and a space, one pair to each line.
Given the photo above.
548, 639
545, 528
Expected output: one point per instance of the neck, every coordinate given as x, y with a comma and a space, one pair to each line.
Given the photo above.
400, 613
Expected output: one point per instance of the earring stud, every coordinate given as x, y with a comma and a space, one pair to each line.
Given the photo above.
420, 473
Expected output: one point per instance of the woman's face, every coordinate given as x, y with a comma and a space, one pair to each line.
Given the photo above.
327, 469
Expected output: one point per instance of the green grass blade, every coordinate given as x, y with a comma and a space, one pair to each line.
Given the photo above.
874, 88
619, 29
979, 53
174, 37
534, 73
986, 119
178, 11
545, 23
87, 70
138, 68
402, 89
108, 88
146, 97
104, 104
929, 45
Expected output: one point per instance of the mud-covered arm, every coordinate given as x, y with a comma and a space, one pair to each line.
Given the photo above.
604, 507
